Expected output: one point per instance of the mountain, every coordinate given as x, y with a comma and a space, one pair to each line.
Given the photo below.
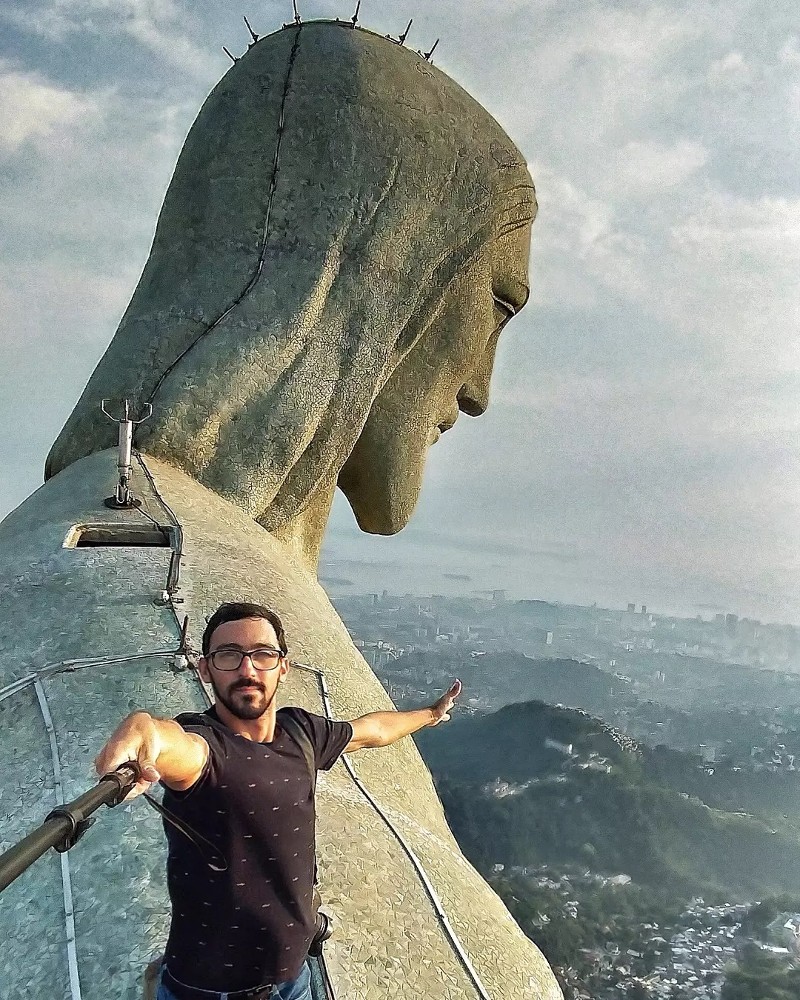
502, 677
534, 784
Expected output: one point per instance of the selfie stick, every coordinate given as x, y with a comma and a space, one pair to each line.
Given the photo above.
64, 826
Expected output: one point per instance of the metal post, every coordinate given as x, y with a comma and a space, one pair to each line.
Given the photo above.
123, 499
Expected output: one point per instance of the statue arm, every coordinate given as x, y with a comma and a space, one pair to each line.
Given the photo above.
162, 749
381, 729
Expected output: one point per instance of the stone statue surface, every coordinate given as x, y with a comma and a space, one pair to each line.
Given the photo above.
345, 235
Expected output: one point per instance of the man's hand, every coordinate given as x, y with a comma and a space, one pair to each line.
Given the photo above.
381, 729
441, 708
161, 748
135, 739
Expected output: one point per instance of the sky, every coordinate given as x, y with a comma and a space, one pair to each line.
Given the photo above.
642, 441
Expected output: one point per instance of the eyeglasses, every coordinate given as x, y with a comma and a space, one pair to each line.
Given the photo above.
230, 658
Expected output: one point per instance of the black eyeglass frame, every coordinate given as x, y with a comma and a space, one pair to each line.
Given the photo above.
241, 653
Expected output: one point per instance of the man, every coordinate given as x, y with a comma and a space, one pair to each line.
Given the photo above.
242, 885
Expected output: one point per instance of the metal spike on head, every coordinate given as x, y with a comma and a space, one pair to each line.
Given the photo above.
229, 54
354, 18
253, 35
433, 49
296, 12
404, 36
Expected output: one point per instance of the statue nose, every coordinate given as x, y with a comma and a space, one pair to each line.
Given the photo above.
473, 396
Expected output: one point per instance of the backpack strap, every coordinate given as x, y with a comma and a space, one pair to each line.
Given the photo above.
290, 725
210, 854
212, 857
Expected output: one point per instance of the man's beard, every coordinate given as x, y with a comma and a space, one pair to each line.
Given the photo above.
246, 708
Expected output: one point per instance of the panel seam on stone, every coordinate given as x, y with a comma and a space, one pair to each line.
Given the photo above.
66, 880
254, 278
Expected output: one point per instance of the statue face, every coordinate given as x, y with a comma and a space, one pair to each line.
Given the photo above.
446, 372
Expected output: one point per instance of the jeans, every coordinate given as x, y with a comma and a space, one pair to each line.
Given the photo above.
294, 989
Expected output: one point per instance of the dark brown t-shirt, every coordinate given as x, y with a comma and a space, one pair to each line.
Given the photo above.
251, 924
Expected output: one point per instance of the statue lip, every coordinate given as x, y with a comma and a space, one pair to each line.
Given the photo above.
449, 420
444, 425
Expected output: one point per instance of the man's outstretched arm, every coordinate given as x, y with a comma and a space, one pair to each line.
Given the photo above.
380, 729
162, 749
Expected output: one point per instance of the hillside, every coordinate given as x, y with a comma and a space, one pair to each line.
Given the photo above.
506, 677
513, 800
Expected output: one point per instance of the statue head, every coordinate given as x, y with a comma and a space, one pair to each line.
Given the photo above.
345, 236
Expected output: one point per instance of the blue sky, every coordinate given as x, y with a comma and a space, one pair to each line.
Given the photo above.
642, 440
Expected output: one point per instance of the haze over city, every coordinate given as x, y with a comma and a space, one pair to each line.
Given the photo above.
642, 439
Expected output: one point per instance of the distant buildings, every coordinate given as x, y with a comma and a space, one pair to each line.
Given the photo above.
649, 668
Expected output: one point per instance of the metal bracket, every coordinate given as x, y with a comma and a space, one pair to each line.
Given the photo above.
165, 598
79, 827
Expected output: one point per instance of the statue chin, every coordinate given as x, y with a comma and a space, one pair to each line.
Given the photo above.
382, 481
377, 522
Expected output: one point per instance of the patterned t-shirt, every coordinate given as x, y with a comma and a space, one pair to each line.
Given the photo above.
252, 924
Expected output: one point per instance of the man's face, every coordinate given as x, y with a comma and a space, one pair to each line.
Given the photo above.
247, 693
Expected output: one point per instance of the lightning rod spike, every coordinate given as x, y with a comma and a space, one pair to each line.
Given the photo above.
433, 49
253, 35
354, 18
404, 36
296, 12
229, 54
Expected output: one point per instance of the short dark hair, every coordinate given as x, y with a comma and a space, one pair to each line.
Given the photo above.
238, 610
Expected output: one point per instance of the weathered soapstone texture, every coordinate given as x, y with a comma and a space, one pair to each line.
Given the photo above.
399, 209
388, 940
32, 928
389, 248
38, 573
59, 604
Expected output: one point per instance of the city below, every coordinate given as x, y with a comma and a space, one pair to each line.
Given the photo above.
664, 714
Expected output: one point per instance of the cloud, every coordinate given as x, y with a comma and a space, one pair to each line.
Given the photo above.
159, 26
576, 237
645, 169
689, 276
731, 71
77, 213
33, 109
633, 41
742, 229
790, 51
748, 252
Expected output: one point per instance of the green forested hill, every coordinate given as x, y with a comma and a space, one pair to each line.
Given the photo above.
557, 811
510, 744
